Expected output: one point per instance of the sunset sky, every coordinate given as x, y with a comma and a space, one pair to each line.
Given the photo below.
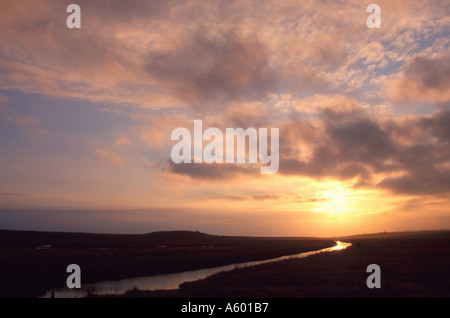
86, 116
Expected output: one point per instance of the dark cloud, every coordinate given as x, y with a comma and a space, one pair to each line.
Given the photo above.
419, 156
122, 12
423, 79
266, 196
351, 145
425, 180
309, 199
214, 69
438, 125
359, 147
256, 197
322, 165
214, 171
412, 154
425, 164
430, 73
363, 141
230, 197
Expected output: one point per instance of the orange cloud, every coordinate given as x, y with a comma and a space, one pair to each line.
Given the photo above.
122, 142
108, 157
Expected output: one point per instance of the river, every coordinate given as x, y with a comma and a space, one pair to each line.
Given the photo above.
169, 281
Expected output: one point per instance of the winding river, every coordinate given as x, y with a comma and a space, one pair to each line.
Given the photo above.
169, 281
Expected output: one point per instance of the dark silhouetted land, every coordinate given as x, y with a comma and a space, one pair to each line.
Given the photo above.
413, 264
34, 262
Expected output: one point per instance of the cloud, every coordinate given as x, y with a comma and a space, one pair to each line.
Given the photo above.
323, 56
15, 117
39, 54
438, 124
353, 146
212, 69
29, 124
424, 165
314, 71
345, 144
422, 79
422, 181
108, 157
214, 171
346, 141
13, 194
122, 142
206, 54
257, 197
155, 130
231, 197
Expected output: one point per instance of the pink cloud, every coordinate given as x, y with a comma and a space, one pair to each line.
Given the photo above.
422, 79
108, 157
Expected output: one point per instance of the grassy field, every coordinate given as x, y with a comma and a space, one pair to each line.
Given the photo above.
34, 262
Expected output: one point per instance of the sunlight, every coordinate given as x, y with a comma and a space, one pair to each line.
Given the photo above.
334, 200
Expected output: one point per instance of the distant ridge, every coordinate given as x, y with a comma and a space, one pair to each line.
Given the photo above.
394, 234
178, 234
83, 240
186, 236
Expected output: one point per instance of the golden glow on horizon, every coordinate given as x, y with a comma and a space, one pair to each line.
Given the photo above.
333, 200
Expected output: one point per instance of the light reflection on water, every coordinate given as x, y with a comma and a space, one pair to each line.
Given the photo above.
170, 281
340, 246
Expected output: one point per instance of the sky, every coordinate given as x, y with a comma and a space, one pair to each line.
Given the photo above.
86, 116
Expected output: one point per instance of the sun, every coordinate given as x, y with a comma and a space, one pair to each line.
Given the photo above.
333, 200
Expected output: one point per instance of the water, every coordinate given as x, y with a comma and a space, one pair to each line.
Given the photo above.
170, 281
